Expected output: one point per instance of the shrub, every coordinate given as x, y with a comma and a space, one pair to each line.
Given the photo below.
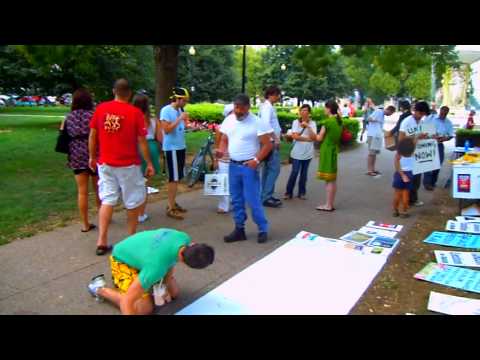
463, 134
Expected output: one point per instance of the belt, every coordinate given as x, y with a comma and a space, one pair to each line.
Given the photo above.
239, 162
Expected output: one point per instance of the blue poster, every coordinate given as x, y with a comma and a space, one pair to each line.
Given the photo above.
451, 276
466, 241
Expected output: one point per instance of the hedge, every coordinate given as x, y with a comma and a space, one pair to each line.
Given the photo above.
463, 134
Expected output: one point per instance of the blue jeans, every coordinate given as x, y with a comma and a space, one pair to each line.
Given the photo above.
271, 170
245, 187
431, 178
298, 166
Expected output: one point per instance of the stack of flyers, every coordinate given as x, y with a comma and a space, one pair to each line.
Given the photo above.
465, 227
377, 232
379, 225
473, 219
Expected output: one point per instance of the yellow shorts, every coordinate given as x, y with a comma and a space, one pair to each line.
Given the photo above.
123, 276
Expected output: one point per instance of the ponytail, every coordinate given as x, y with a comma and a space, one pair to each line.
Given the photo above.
333, 107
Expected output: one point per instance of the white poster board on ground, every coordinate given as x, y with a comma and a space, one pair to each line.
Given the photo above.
216, 185
427, 157
453, 305
464, 227
377, 232
323, 276
458, 258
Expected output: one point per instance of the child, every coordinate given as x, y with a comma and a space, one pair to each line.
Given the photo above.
402, 179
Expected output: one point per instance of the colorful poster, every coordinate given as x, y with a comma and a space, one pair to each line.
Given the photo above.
459, 240
357, 237
383, 241
216, 185
377, 232
457, 258
453, 305
427, 157
463, 183
379, 225
451, 276
465, 227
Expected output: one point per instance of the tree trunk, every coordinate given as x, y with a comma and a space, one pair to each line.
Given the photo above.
166, 62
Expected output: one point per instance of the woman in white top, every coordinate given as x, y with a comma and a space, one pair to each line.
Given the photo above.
302, 152
154, 135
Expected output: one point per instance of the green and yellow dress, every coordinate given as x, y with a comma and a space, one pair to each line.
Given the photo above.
327, 168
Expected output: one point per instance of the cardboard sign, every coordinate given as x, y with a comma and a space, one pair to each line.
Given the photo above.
457, 258
451, 276
453, 305
466, 241
216, 185
427, 157
464, 227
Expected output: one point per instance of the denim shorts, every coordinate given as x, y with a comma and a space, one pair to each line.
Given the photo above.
399, 184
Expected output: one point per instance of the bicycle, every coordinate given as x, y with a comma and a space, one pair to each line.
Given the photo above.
199, 166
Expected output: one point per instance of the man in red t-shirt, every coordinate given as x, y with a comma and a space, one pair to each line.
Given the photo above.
117, 132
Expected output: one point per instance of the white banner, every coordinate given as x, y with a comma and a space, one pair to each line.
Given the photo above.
453, 305
216, 185
427, 157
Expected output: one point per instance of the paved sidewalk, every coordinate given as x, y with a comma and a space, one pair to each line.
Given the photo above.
48, 273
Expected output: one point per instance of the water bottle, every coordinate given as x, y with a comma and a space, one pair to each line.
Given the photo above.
467, 145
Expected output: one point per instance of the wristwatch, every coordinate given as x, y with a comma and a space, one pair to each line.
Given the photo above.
256, 160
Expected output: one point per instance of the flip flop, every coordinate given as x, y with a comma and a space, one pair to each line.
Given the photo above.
327, 210
102, 250
91, 227
371, 173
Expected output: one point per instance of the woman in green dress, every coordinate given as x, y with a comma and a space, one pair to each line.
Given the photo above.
329, 138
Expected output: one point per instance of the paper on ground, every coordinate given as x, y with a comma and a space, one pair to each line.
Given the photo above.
459, 240
379, 225
457, 258
323, 276
357, 237
451, 276
453, 305
465, 227
151, 190
473, 210
377, 232
471, 219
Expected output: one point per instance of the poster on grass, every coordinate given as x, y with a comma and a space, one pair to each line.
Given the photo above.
463, 226
427, 157
467, 241
453, 305
458, 258
384, 226
451, 276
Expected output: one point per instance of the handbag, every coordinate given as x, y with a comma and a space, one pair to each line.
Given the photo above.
63, 140
346, 136
290, 160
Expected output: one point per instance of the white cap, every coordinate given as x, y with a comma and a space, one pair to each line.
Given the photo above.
227, 110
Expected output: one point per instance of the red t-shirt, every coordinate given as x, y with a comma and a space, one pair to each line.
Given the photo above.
118, 126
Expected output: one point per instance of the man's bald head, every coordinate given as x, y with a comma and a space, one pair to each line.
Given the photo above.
122, 90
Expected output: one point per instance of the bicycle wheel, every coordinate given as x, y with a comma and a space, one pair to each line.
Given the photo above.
195, 171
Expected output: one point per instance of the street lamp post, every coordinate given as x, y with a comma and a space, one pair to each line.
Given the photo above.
244, 66
433, 77
192, 52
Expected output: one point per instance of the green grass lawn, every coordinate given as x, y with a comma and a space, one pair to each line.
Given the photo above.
37, 189
36, 110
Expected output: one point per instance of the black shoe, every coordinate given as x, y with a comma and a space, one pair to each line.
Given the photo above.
275, 199
272, 204
262, 237
429, 187
236, 235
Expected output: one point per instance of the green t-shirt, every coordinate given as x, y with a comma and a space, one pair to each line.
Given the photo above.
153, 253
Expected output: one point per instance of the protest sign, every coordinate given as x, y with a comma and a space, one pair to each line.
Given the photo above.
465, 227
466, 241
457, 258
379, 225
427, 157
451, 276
216, 185
453, 305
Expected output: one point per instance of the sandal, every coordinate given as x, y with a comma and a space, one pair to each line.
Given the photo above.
377, 172
180, 209
91, 227
319, 208
174, 214
222, 212
102, 250
371, 173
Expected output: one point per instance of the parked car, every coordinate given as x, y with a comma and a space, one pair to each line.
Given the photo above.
65, 99
8, 100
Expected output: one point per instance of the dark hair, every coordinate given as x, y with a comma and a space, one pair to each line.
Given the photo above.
333, 107
306, 106
391, 108
345, 105
241, 99
422, 106
445, 108
406, 147
82, 100
404, 104
122, 88
198, 256
143, 103
272, 90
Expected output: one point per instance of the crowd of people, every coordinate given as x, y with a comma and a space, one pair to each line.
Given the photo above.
119, 146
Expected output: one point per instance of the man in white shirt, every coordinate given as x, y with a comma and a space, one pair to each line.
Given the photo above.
375, 136
411, 127
271, 168
248, 141
443, 132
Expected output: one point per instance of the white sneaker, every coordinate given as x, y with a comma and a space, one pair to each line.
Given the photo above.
142, 218
419, 203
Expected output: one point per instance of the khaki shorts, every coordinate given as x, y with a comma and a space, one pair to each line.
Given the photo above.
376, 148
127, 182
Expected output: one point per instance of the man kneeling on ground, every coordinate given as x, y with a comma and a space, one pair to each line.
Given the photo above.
145, 260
